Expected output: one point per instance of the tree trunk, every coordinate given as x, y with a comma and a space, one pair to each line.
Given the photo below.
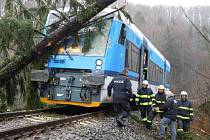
74, 24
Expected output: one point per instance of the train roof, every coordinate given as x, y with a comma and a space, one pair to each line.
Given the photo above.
103, 12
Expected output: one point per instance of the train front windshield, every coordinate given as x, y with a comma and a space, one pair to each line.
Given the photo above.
91, 40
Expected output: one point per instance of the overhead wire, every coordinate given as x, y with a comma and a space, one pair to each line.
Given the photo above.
200, 32
196, 28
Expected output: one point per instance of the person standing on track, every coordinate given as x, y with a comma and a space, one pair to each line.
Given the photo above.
122, 93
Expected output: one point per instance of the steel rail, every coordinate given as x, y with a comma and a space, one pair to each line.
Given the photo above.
29, 130
18, 114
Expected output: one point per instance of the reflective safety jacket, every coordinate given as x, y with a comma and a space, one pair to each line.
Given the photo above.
185, 110
159, 100
144, 97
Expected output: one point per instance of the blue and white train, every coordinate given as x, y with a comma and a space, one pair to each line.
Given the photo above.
78, 77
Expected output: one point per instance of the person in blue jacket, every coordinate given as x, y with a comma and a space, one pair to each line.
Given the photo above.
169, 116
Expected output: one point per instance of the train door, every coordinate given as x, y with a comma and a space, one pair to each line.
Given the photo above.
144, 62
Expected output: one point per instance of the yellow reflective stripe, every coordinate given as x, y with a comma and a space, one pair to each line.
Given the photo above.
153, 104
191, 114
136, 99
149, 121
146, 103
131, 99
144, 96
182, 107
137, 95
159, 111
179, 129
191, 109
160, 101
144, 119
153, 99
182, 117
153, 95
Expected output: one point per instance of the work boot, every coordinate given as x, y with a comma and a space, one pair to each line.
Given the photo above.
148, 126
160, 137
120, 123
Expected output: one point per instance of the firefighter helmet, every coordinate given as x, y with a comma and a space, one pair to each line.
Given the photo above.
184, 93
161, 87
145, 82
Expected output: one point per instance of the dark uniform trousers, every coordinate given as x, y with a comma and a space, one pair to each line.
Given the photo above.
123, 110
184, 115
158, 101
144, 98
152, 115
145, 112
183, 125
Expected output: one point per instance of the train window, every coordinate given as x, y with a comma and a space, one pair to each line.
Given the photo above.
138, 63
156, 73
135, 57
122, 35
95, 45
167, 77
159, 80
132, 57
161, 75
128, 61
54, 17
150, 71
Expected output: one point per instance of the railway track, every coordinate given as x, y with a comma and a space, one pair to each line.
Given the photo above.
26, 131
21, 114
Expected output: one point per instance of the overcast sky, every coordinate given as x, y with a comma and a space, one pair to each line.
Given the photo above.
185, 3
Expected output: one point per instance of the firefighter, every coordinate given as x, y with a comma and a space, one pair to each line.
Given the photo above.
144, 98
185, 112
122, 92
169, 116
157, 101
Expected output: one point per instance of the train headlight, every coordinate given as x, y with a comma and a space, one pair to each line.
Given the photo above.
99, 62
61, 50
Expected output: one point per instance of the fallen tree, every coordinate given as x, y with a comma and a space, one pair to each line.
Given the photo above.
74, 24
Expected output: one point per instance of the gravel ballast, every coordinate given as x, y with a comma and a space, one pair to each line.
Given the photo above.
96, 128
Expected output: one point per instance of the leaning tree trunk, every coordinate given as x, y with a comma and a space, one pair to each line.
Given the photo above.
74, 24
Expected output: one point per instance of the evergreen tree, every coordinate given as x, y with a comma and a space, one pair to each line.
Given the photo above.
18, 29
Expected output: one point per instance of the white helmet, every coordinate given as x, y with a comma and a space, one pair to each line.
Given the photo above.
184, 93
161, 87
145, 82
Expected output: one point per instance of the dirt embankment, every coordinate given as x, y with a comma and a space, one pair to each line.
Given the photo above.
201, 124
